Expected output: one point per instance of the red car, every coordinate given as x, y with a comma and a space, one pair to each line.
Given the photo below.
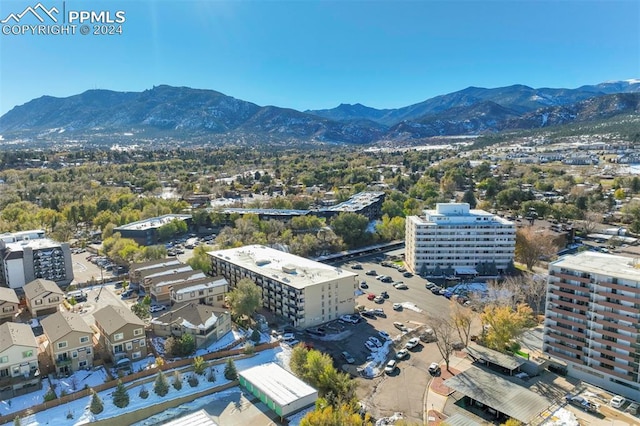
371, 296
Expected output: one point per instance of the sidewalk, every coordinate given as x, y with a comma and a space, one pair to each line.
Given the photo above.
437, 393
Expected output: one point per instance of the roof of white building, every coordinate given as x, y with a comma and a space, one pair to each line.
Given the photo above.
153, 222
600, 263
287, 268
199, 418
277, 383
35, 244
459, 213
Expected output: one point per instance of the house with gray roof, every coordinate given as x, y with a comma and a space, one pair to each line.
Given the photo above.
205, 323
43, 297
70, 342
19, 370
121, 333
9, 304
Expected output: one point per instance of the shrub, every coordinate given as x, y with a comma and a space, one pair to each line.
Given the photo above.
50, 395
255, 336
177, 380
120, 396
199, 365
144, 393
161, 386
248, 349
69, 414
230, 372
193, 380
96, 406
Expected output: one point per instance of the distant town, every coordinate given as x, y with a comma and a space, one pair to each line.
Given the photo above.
449, 283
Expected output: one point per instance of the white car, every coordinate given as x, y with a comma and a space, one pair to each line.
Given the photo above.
157, 308
397, 306
372, 347
412, 343
402, 353
384, 335
375, 341
617, 401
434, 368
391, 366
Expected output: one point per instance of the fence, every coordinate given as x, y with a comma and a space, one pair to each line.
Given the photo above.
130, 378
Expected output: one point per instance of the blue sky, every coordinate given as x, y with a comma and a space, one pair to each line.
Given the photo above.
309, 54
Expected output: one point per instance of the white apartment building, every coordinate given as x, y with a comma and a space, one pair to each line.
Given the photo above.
454, 239
29, 255
305, 292
592, 320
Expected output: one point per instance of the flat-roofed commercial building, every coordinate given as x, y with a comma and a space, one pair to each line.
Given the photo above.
454, 239
145, 232
29, 255
592, 320
302, 291
280, 390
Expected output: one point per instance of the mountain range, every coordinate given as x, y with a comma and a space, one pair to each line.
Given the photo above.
183, 113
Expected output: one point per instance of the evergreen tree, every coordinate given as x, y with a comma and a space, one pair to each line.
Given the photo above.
16, 421
211, 377
96, 406
120, 396
161, 386
144, 393
230, 372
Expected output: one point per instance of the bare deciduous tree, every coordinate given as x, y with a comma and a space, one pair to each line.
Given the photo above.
445, 332
462, 319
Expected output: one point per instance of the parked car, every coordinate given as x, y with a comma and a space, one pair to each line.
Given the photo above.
379, 312
428, 336
348, 358
402, 353
400, 326
157, 308
371, 272
401, 286
371, 296
378, 299
356, 266
384, 294
391, 366
129, 294
375, 341
364, 284
435, 290
370, 345
368, 314
315, 332
429, 285
397, 306
384, 335
617, 401
412, 343
386, 279
434, 368
407, 274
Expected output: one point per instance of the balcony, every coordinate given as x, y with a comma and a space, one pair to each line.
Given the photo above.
560, 311
628, 377
61, 362
619, 307
635, 290
570, 295
613, 344
565, 357
565, 276
613, 334
567, 337
21, 378
566, 348
616, 355
619, 317
631, 299
569, 304
570, 322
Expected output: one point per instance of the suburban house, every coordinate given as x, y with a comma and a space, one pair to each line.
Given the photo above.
207, 291
121, 333
9, 304
43, 297
148, 278
160, 287
70, 343
137, 271
19, 373
205, 323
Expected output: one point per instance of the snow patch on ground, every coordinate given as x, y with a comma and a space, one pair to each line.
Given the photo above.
562, 417
376, 361
390, 420
411, 305
297, 418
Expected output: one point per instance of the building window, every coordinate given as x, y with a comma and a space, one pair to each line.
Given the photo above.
84, 339
74, 354
39, 302
9, 309
138, 332
179, 297
62, 345
118, 336
220, 298
4, 359
27, 354
88, 350
136, 355
141, 343
82, 364
129, 346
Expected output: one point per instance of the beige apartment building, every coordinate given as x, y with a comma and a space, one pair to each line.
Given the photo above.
592, 320
302, 291
70, 339
454, 239
121, 333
